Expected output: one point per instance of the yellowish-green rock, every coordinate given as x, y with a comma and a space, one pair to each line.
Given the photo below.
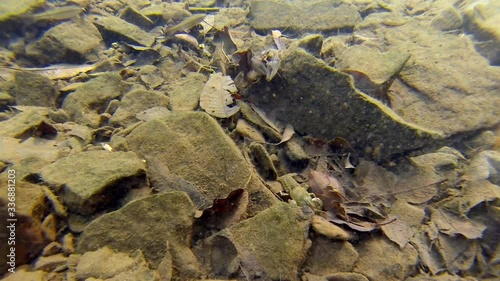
14, 8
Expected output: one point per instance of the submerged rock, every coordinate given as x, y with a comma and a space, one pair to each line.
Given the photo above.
319, 100
89, 100
134, 102
68, 42
373, 71
34, 89
88, 181
114, 266
145, 224
299, 16
271, 246
115, 27
30, 210
13, 8
193, 146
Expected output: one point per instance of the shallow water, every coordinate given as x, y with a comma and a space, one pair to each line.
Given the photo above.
249, 140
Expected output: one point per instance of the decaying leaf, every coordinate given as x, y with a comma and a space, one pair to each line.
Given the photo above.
328, 189
265, 118
216, 96
450, 224
398, 232
287, 134
223, 213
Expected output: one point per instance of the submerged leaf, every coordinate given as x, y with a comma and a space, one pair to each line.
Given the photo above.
216, 96
287, 134
450, 224
398, 232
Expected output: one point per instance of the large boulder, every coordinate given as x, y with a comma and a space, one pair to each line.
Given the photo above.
323, 102
193, 147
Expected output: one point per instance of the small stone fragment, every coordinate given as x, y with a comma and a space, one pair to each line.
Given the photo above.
51, 249
50, 263
243, 128
49, 226
126, 30
68, 244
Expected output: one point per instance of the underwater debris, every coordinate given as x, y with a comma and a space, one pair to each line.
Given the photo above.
216, 96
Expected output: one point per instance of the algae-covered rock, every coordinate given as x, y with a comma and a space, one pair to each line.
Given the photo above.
319, 100
24, 123
114, 266
320, 15
117, 27
194, 147
482, 19
373, 71
69, 42
145, 224
134, 102
380, 259
272, 245
88, 181
13, 8
89, 100
34, 89
186, 92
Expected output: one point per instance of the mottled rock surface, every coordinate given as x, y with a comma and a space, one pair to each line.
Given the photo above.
87, 181
320, 15
89, 100
130, 228
114, 265
69, 42
134, 102
330, 109
29, 235
271, 245
14, 8
33, 89
124, 30
190, 145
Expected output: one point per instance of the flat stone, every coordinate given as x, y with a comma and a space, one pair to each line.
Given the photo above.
134, 102
380, 259
318, 16
114, 266
195, 148
327, 256
13, 8
70, 42
30, 209
278, 232
448, 19
482, 20
373, 71
92, 98
34, 89
447, 86
335, 108
145, 224
23, 124
129, 32
185, 95
87, 181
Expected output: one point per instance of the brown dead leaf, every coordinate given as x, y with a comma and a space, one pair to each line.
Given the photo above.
452, 225
398, 232
223, 213
358, 225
